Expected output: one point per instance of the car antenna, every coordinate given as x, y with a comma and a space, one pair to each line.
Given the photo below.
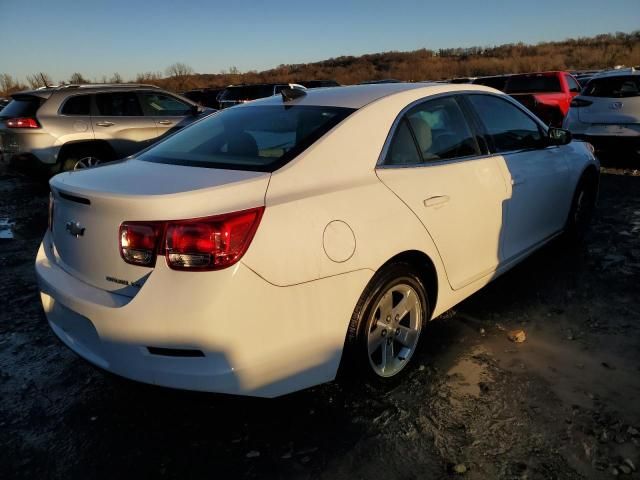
292, 92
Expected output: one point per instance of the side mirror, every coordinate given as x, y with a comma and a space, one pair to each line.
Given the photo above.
559, 136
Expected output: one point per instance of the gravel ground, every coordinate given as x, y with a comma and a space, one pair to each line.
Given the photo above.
564, 404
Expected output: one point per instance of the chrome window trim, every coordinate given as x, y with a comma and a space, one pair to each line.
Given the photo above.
380, 163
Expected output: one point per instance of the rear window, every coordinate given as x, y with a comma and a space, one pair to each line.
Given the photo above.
78, 105
250, 92
24, 106
493, 82
533, 84
259, 138
613, 87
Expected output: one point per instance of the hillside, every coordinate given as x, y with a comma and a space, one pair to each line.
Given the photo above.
601, 51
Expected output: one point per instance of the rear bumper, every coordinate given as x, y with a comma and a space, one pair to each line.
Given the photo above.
255, 338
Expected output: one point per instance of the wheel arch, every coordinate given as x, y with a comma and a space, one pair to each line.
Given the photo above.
100, 145
426, 270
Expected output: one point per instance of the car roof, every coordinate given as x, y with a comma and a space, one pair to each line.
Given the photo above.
357, 96
620, 72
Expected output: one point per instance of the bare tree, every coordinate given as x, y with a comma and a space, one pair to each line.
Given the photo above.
78, 78
148, 77
116, 78
39, 79
7, 84
179, 74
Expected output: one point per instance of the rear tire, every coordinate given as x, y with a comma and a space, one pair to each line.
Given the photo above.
386, 326
81, 158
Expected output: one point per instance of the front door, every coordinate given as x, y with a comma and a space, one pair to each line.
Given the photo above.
536, 174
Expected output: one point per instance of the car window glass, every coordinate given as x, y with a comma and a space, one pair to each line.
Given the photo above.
159, 104
248, 138
508, 127
613, 87
78, 105
441, 130
402, 149
573, 85
120, 104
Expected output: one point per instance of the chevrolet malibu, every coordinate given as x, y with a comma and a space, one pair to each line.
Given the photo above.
268, 247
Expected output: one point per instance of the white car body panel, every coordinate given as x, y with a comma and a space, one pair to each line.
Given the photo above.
275, 322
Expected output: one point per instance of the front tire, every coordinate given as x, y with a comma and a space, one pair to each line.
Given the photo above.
582, 208
386, 325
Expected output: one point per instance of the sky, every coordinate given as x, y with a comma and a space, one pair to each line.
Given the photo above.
98, 38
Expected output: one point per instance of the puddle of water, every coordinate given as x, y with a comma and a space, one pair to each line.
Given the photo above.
466, 376
6, 229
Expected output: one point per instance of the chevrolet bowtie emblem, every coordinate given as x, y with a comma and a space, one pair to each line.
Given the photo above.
75, 229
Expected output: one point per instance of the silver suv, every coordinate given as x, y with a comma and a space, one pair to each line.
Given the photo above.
78, 126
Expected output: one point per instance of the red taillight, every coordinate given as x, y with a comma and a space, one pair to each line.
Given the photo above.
22, 122
579, 102
210, 243
139, 242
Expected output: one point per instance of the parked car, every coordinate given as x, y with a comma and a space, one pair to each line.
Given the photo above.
3, 103
205, 97
547, 94
319, 83
385, 80
77, 126
238, 94
496, 81
268, 246
607, 112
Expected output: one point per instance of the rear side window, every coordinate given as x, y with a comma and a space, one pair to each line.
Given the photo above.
508, 127
613, 87
119, 104
159, 104
257, 138
533, 84
441, 130
402, 149
573, 85
78, 105
22, 106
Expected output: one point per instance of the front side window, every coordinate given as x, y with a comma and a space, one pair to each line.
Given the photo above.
508, 127
78, 105
162, 105
256, 138
441, 130
118, 104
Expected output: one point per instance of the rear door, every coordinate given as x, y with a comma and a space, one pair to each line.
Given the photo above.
169, 113
118, 119
536, 174
436, 166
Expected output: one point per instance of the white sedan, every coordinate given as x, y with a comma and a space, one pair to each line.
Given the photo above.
267, 247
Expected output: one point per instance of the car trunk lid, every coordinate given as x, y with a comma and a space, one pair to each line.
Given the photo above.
90, 206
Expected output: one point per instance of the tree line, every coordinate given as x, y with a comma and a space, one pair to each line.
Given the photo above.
600, 51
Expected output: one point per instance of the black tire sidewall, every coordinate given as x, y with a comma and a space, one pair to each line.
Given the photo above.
576, 232
355, 360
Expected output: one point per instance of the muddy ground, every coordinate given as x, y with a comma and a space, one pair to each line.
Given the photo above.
564, 404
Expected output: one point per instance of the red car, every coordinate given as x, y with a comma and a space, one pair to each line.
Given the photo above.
547, 94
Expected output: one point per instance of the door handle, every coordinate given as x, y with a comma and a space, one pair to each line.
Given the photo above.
105, 124
516, 180
165, 122
436, 200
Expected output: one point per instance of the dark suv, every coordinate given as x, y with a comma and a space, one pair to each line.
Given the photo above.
78, 126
